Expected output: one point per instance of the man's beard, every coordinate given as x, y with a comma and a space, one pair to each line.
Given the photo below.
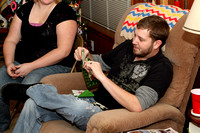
143, 53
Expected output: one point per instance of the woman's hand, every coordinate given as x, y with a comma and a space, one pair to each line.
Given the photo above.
11, 71
23, 69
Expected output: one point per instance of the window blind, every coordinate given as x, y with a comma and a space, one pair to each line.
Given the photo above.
106, 13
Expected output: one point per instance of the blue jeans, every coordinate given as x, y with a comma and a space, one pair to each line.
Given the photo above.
33, 77
45, 104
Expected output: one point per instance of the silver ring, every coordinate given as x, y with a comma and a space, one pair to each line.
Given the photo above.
21, 76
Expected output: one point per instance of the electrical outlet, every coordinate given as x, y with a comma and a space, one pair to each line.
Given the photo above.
92, 45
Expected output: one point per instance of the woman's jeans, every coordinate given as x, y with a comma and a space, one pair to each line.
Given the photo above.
33, 77
45, 104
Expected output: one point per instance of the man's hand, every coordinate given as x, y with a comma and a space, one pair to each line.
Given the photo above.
94, 68
78, 53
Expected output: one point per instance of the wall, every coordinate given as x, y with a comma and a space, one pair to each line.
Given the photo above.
102, 37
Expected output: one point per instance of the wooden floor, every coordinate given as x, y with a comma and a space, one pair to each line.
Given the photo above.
15, 117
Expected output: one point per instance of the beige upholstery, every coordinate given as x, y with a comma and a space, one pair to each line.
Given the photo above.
182, 49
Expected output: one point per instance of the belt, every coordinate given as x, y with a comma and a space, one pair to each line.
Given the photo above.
102, 107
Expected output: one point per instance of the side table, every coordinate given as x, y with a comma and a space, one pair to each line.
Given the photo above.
194, 125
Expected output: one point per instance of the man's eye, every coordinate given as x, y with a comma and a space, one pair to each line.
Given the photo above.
141, 39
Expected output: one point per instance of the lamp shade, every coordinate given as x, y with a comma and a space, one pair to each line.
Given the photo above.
192, 23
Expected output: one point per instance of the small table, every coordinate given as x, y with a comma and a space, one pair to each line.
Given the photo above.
195, 121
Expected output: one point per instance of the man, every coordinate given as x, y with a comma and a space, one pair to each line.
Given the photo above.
139, 75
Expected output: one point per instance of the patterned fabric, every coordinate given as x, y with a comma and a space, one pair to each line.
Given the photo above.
169, 12
3, 5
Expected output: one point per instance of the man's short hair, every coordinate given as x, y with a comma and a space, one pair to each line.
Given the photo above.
158, 27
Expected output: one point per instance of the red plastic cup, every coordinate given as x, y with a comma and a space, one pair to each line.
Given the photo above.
196, 100
177, 3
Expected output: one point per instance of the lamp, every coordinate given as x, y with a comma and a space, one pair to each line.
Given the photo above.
192, 23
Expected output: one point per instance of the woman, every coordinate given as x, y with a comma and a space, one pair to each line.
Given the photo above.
39, 43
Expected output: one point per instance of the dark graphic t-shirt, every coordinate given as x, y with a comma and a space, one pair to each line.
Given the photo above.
155, 72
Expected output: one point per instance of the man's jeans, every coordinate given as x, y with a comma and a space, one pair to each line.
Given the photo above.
33, 77
45, 104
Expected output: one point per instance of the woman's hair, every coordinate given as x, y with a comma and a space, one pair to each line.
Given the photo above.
158, 27
57, 1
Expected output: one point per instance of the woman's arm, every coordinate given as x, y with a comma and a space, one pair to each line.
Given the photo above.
9, 46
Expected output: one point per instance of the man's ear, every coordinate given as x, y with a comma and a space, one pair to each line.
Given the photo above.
157, 44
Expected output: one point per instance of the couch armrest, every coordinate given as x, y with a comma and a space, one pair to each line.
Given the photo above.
59, 126
66, 82
119, 120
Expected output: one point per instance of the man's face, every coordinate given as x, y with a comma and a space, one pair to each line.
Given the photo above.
142, 43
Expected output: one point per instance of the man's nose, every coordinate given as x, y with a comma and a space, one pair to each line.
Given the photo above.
134, 41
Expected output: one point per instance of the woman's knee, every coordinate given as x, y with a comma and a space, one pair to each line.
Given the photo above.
3, 76
31, 79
